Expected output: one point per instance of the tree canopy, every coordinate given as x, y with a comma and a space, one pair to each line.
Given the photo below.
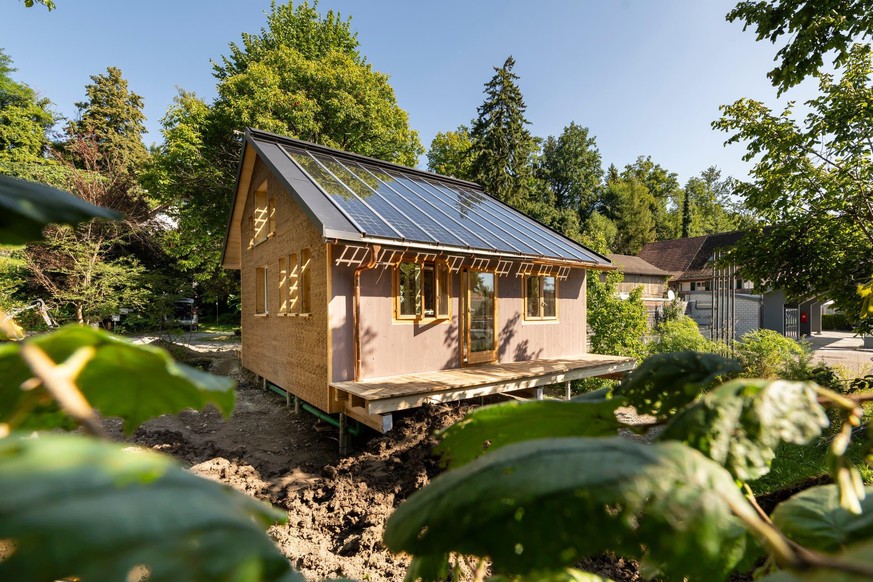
25, 118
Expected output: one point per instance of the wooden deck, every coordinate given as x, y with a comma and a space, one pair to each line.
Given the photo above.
368, 400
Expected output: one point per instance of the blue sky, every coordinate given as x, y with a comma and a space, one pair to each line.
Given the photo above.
645, 76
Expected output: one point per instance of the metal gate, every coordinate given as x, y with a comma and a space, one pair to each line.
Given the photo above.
791, 323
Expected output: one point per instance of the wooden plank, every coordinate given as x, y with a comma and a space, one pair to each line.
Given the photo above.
426, 383
414, 400
379, 422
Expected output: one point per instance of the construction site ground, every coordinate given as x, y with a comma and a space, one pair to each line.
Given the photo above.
337, 507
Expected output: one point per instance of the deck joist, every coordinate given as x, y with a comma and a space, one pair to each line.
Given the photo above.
369, 400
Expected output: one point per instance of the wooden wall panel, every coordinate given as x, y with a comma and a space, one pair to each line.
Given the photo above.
289, 351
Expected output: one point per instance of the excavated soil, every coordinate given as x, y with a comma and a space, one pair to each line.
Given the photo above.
337, 507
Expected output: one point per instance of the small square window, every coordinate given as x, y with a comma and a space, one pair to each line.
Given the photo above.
541, 297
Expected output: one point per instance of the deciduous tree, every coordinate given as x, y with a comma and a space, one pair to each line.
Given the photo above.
451, 153
570, 165
25, 118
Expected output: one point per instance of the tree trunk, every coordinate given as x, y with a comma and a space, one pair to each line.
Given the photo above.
80, 319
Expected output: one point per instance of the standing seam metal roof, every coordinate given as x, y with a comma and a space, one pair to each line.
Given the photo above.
364, 198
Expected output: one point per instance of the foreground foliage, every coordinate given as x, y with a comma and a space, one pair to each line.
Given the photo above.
535, 487
77, 506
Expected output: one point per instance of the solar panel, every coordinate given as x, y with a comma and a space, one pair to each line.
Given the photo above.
394, 204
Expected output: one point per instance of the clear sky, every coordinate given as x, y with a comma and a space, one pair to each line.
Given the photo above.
645, 76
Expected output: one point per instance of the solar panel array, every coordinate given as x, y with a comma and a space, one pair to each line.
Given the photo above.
392, 204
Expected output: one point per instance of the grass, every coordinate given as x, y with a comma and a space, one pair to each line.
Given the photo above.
219, 327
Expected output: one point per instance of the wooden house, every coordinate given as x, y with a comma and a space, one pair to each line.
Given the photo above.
369, 287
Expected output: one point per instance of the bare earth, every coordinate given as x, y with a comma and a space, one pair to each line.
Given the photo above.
337, 508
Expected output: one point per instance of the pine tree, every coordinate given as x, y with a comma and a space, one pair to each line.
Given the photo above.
686, 213
503, 148
110, 120
636, 225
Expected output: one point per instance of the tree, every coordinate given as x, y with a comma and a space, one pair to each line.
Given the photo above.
599, 233
301, 76
814, 29
25, 118
634, 220
663, 186
451, 153
570, 165
707, 207
812, 185
112, 121
619, 325
503, 148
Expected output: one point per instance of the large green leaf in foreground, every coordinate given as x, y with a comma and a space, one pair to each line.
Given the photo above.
491, 427
543, 504
135, 382
75, 506
859, 554
740, 424
27, 207
666, 382
814, 518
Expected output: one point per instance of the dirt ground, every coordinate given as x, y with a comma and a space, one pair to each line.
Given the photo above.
337, 508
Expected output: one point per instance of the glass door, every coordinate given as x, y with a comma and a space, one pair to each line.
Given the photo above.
480, 339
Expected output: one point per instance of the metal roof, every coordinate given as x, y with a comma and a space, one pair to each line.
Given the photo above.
357, 198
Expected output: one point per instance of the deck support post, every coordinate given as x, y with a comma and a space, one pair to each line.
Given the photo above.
343, 435
263, 384
287, 398
568, 390
296, 405
538, 394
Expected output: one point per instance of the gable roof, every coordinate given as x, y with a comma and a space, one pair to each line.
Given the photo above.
687, 259
632, 265
355, 198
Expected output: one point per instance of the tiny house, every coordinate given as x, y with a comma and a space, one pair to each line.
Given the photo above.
369, 287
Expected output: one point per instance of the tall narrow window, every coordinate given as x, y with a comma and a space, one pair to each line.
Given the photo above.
251, 231
305, 281
261, 214
271, 216
261, 291
443, 290
283, 286
408, 290
293, 284
541, 297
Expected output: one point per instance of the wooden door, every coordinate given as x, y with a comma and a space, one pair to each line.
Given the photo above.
480, 317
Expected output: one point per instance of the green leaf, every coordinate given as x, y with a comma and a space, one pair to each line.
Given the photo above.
74, 506
428, 568
544, 504
664, 383
814, 518
860, 554
491, 427
740, 424
135, 382
27, 207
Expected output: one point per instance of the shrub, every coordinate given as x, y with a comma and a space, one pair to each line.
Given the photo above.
765, 353
835, 321
619, 325
679, 335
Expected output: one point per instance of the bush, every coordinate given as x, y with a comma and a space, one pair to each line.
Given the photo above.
835, 321
619, 325
765, 353
679, 335
229, 318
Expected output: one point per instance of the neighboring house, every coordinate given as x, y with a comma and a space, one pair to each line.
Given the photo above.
369, 287
640, 273
722, 303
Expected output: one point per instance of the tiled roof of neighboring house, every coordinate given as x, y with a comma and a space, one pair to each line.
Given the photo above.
360, 199
688, 258
632, 265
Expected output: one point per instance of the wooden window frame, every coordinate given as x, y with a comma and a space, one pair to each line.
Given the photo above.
271, 217
293, 284
262, 291
260, 216
305, 281
541, 317
283, 286
441, 288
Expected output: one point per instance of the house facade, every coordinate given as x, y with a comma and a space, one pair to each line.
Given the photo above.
652, 281
369, 287
724, 305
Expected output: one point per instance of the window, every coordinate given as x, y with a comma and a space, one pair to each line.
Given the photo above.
251, 231
261, 294
422, 290
540, 297
293, 284
283, 286
260, 215
271, 216
305, 281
